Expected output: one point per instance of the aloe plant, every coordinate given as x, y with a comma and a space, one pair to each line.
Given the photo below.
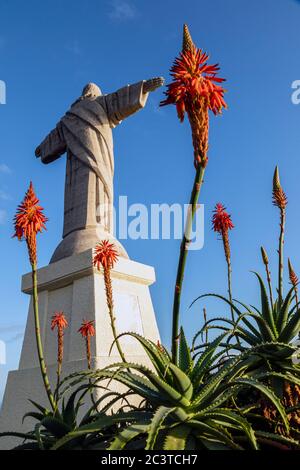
92, 429
276, 327
188, 406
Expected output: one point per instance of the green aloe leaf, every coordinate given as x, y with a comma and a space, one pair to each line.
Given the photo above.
158, 418
177, 437
253, 383
183, 382
212, 431
159, 358
284, 311
218, 297
185, 358
291, 329
278, 438
99, 424
55, 426
227, 417
266, 310
125, 436
205, 360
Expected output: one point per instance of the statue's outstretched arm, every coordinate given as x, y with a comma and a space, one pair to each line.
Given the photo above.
153, 84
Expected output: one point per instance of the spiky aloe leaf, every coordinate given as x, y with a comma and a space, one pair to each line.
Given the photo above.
210, 386
141, 385
291, 329
21, 435
70, 410
253, 383
266, 331
285, 377
284, 311
34, 415
231, 304
205, 360
55, 426
177, 437
227, 417
158, 418
122, 397
211, 320
185, 358
42, 409
183, 382
99, 424
213, 431
243, 318
87, 417
219, 398
159, 358
166, 393
37, 432
278, 438
266, 311
125, 436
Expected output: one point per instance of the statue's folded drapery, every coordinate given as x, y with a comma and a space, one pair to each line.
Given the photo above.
85, 132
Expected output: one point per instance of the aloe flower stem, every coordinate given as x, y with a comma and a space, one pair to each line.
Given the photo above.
296, 297
280, 254
182, 258
270, 286
206, 329
109, 300
59, 356
39, 340
229, 270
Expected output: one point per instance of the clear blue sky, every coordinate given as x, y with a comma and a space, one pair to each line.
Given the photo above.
49, 50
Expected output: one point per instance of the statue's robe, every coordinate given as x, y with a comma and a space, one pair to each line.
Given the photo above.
85, 133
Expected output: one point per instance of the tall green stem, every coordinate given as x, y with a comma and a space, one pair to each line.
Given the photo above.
230, 288
270, 286
113, 327
280, 254
182, 258
109, 300
39, 340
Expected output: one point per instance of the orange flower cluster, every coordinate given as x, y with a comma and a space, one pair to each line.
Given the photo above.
195, 82
87, 328
105, 255
222, 222
221, 219
195, 90
28, 221
279, 196
292, 275
60, 322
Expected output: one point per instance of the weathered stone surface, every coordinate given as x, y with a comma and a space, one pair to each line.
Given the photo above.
85, 133
74, 286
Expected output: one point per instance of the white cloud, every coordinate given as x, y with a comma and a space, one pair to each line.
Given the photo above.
4, 168
122, 10
3, 216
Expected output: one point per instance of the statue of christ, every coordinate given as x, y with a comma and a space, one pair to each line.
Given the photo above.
85, 134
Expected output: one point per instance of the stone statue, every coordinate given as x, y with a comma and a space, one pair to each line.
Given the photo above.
85, 133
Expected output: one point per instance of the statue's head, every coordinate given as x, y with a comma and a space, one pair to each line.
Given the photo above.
91, 90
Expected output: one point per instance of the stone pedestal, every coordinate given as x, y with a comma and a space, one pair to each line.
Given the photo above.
73, 286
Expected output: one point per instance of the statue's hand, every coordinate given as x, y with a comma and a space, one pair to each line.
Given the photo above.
152, 84
38, 151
